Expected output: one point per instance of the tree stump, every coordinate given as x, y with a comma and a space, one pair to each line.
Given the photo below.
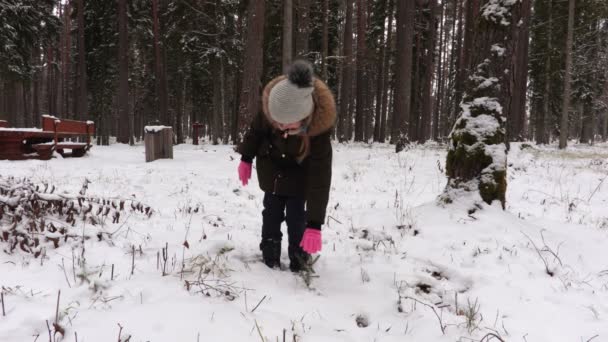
159, 142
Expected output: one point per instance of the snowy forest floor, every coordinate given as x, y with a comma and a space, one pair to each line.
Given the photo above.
395, 265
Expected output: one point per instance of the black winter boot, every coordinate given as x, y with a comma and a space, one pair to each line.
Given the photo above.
298, 259
271, 252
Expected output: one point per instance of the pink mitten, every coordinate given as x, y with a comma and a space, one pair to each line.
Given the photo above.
311, 241
244, 172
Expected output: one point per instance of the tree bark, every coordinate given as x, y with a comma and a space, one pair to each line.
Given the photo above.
81, 112
67, 65
303, 28
287, 33
347, 71
477, 159
403, 73
325, 43
250, 97
159, 74
386, 78
542, 116
439, 83
360, 118
123, 78
517, 107
427, 91
563, 127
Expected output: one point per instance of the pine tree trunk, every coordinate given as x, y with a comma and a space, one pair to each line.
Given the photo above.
477, 159
386, 78
347, 71
543, 116
380, 77
563, 135
81, 112
429, 66
123, 78
50, 85
517, 108
439, 83
287, 33
65, 106
360, 119
325, 43
249, 103
159, 74
464, 62
403, 73
303, 28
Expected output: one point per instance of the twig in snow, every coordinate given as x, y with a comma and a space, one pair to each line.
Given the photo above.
259, 332
549, 272
260, 302
65, 273
441, 325
2, 300
489, 336
133, 259
57, 307
596, 188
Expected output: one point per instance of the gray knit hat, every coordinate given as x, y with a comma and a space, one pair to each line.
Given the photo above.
290, 100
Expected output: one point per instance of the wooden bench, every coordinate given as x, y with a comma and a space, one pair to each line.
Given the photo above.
65, 129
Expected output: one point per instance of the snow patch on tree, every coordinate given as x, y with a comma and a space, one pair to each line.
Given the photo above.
498, 11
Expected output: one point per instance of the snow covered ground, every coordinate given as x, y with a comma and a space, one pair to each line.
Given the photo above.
395, 265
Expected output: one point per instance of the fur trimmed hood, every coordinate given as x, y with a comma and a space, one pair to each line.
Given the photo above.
323, 116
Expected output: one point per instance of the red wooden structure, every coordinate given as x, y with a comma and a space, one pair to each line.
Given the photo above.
195, 132
24, 143
3, 124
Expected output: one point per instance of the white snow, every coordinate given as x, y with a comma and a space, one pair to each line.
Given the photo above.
386, 242
154, 129
21, 129
500, 51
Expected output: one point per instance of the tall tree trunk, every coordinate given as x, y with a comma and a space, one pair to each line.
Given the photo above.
81, 113
303, 28
50, 82
347, 71
287, 33
159, 73
252, 69
563, 127
380, 77
123, 77
429, 66
451, 105
439, 83
386, 78
517, 108
403, 73
361, 71
65, 106
325, 43
543, 116
464, 65
477, 159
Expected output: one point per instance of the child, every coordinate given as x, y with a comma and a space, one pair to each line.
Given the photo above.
290, 138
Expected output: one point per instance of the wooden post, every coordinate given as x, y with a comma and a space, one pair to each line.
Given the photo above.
159, 142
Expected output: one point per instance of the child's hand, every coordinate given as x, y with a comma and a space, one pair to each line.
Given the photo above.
311, 241
244, 172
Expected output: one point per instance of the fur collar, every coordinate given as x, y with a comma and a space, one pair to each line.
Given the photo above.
324, 114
